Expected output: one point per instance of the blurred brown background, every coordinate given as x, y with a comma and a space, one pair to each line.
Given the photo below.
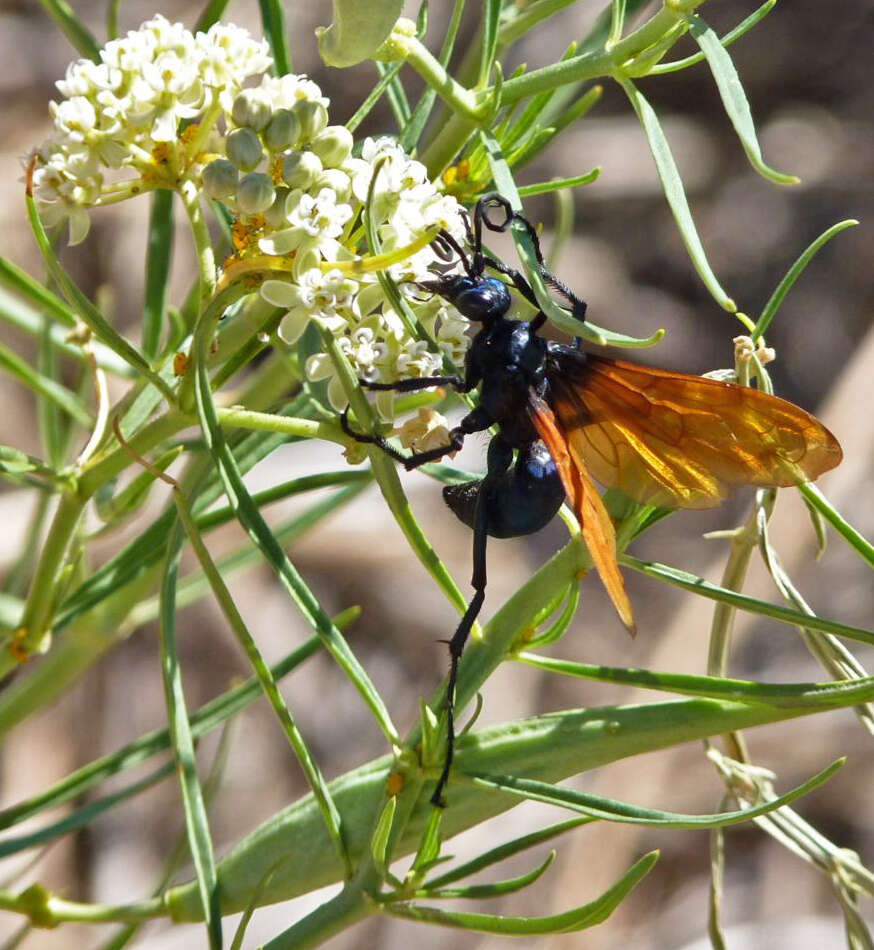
807, 73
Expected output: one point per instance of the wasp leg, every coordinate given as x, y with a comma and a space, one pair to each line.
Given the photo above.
459, 638
499, 459
475, 421
416, 382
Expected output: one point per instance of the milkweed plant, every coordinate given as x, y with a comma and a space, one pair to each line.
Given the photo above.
309, 240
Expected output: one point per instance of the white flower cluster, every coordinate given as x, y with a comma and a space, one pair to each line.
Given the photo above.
116, 113
317, 226
169, 106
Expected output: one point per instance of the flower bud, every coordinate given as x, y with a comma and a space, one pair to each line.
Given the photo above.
283, 130
333, 145
255, 193
313, 118
244, 149
300, 169
275, 216
252, 109
220, 178
337, 181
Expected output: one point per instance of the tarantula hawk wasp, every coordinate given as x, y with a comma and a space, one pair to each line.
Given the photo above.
662, 438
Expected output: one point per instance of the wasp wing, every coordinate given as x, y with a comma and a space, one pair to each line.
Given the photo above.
595, 524
682, 441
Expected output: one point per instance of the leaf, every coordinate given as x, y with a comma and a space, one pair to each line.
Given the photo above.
608, 809
861, 545
733, 97
357, 30
495, 889
490, 20
504, 851
505, 184
794, 272
273, 22
697, 585
196, 821
674, 192
578, 919
159, 249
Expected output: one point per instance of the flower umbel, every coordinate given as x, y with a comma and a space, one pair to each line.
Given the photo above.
165, 107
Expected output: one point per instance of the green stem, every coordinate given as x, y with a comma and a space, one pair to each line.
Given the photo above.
566, 72
37, 617
45, 910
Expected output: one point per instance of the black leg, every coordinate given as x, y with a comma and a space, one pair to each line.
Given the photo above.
474, 421
500, 458
414, 383
459, 638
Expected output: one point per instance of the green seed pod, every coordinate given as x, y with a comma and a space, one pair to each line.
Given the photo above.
274, 216
301, 169
255, 193
283, 131
333, 145
252, 109
244, 149
337, 181
220, 178
313, 118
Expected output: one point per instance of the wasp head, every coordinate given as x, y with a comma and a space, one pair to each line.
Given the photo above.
478, 298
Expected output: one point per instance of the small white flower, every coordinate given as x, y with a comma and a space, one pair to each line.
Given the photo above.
427, 430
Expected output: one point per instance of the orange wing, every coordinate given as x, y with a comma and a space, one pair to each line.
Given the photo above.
681, 441
595, 523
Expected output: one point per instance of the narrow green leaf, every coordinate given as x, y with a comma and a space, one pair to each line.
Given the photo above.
212, 13
412, 133
429, 846
196, 821
506, 185
268, 685
558, 628
253, 522
159, 249
558, 184
794, 272
205, 719
578, 919
273, 24
496, 889
381, 834
87, 312
53, 391
35, 293
21, 316
254, 903
733, 97
375, 94
73, 28
674, 192
815, 498
504, 851
134, 494
397, 97
608, 809
81, 817
52, 428
743, 27
786, 695
617, 22
491, 19
698, 585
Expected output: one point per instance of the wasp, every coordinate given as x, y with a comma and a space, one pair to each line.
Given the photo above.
566, 418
